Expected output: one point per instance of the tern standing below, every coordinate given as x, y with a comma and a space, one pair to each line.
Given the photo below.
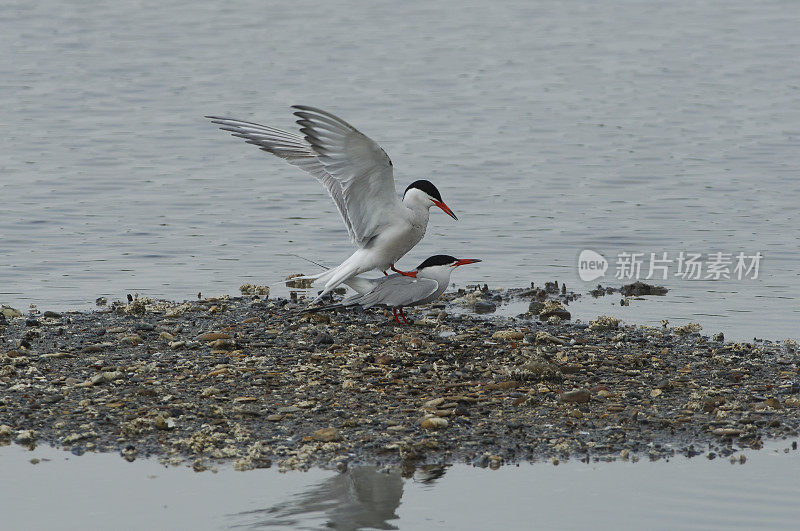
358, 176
396, 291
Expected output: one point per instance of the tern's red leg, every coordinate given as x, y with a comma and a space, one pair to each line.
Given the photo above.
404, 273
394, 311
403, 315
385, 274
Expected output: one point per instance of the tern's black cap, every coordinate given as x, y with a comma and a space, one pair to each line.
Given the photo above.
437, 260
425, 186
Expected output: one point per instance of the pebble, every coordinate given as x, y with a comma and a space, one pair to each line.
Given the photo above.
10, 313
25, 437
508, 335
208, 392
604, 322
553, 309
212, 336
162, 423
326, 435
578, 396
481, 461
484, 307
434, 403
323, 338
434, 423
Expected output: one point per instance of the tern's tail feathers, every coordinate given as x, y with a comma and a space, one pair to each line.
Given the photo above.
361, 285
334, 277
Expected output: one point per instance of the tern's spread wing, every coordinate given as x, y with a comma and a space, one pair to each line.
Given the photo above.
359, 164
355, 170
295, 150
395, 291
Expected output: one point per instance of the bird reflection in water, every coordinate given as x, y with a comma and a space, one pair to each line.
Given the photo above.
360, 498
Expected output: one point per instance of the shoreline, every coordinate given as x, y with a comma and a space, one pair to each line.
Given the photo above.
256, 382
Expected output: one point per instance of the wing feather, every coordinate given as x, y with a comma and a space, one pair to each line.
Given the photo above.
353, 168
295, 150
358, 163
395, 291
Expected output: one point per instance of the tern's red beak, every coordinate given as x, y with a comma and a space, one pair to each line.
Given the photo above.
446, 209
464, 261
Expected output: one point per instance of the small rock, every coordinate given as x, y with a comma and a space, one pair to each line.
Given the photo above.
687, 329
553, 309
639, 288
223, 344
100, 378
292, 281
130, 340
604, 322
727, 432
253, 289
75, 437
535, 307
484, 307
508, 335
52, 315
323, 338
10, 312
129, 453
542, 336
25, 437
435, 402
209, 391
481, 461
147, 327
97, 347
434, 423
212, 336
578, 396
162, 423
326, 435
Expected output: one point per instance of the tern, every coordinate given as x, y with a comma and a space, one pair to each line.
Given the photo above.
359, 178
396, 291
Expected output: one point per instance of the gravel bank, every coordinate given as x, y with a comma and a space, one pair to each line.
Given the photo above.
256, 382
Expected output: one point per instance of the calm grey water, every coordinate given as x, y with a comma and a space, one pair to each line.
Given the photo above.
550, 127
101, 491
619, 126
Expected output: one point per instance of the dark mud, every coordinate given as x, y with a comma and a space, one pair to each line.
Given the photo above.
256, 382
